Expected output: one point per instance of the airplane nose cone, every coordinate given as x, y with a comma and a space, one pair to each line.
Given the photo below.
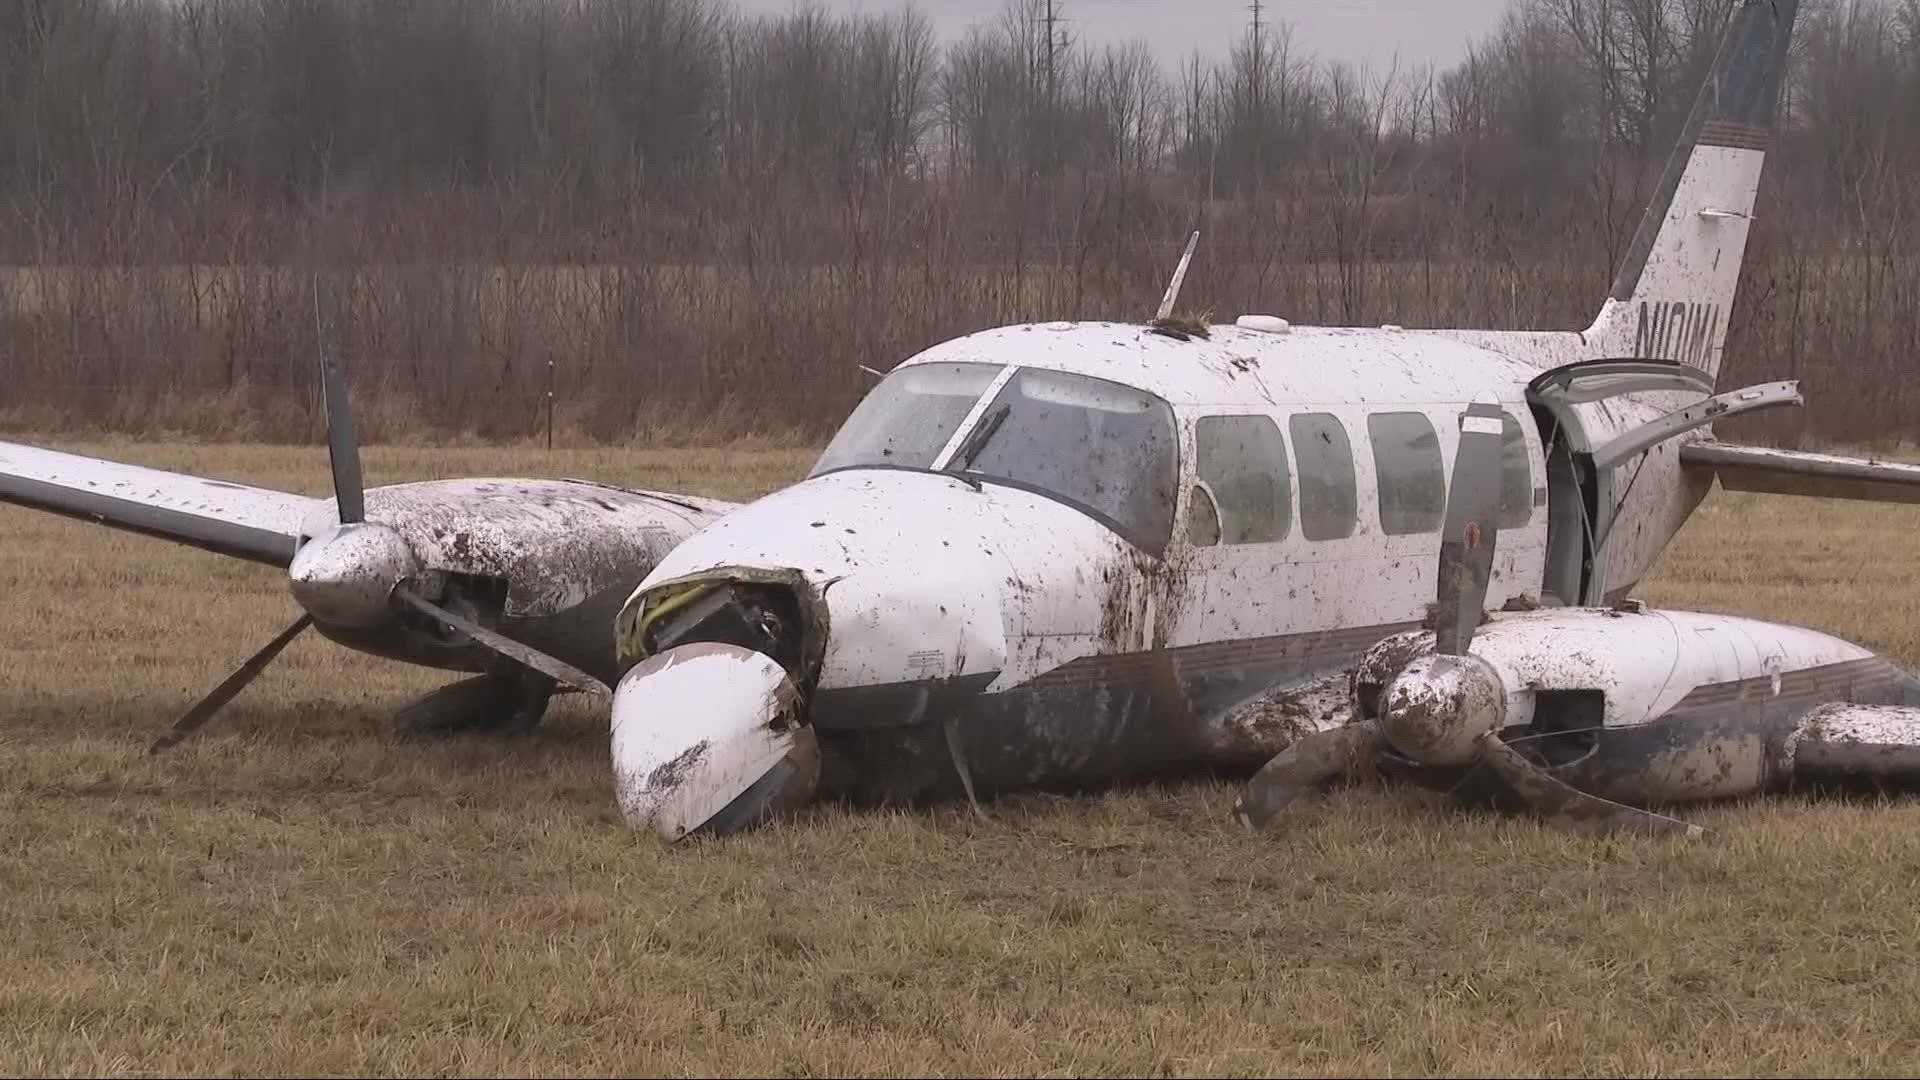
708, 738
1438, 707
346, 577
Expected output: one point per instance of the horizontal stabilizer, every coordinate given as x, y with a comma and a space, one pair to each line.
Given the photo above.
1797, 472
251, 523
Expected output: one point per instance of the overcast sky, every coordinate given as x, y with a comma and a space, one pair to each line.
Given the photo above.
1370, 31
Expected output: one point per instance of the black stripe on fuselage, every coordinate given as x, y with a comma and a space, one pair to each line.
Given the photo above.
1798, 690
1285, 653
1739, 136
1090, 722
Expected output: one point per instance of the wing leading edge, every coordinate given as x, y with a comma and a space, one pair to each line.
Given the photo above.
257, 524
1798, 472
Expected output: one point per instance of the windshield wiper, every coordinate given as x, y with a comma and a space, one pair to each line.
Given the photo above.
976, 439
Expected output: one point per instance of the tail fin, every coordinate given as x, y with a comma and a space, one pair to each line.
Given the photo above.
1675, 288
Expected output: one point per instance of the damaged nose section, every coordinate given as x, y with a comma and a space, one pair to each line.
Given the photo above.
708, 739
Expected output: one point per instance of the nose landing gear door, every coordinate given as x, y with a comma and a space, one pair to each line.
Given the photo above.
1591, 422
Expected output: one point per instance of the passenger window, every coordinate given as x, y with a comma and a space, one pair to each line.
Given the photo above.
1413, 484
1325, 460
1516, 475
1242, 462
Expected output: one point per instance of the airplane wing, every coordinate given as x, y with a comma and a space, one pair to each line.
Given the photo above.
1798, 472
252, 523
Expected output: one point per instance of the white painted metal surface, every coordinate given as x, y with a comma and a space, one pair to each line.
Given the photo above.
693, 729
554, 542
347, 574
1694, 415
1266, 324
927, 577
240, 504
198, 502
1802, 472
1645, 662
1235, 365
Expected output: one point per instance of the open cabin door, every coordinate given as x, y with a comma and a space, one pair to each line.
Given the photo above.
1585, 446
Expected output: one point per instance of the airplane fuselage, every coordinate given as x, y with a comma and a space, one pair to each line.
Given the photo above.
1092, 552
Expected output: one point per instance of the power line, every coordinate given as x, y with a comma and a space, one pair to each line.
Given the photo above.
1056, 41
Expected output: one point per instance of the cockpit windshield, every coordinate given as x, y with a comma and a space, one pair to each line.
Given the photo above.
906, 420
1102, 447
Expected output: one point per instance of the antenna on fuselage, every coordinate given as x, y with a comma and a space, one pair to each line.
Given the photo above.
1179, 275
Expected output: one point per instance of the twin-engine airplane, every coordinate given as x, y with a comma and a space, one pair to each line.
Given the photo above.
1065, 554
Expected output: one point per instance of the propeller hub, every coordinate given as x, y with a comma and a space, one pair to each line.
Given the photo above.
346, 576
1438, 707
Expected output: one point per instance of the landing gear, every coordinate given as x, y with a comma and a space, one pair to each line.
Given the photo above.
507, 701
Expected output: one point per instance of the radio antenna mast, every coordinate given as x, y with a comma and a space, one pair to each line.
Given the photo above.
1179, 275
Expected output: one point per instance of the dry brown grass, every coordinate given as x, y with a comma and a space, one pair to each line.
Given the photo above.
300, 891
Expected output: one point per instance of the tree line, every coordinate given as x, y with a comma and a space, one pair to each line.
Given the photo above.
664, 218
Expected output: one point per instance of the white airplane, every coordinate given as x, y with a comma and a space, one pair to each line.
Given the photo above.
1062, 554
1071, 554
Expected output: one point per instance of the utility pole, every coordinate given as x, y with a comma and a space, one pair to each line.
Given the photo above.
1257, 9
1257, 95
1051, 20
1259, 66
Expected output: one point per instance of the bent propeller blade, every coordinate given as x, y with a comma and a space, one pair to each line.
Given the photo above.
1549, 795
1473, 523
204, 709
505, 646
343, 449
1310, 762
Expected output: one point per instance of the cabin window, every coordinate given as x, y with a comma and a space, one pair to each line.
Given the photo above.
1516, 475
906, 420
1324, 457
1412, 480
1246, 496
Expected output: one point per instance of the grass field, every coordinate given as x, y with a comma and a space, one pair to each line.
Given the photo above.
298, 890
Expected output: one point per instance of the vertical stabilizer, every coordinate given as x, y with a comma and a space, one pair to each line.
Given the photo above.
1674, 290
